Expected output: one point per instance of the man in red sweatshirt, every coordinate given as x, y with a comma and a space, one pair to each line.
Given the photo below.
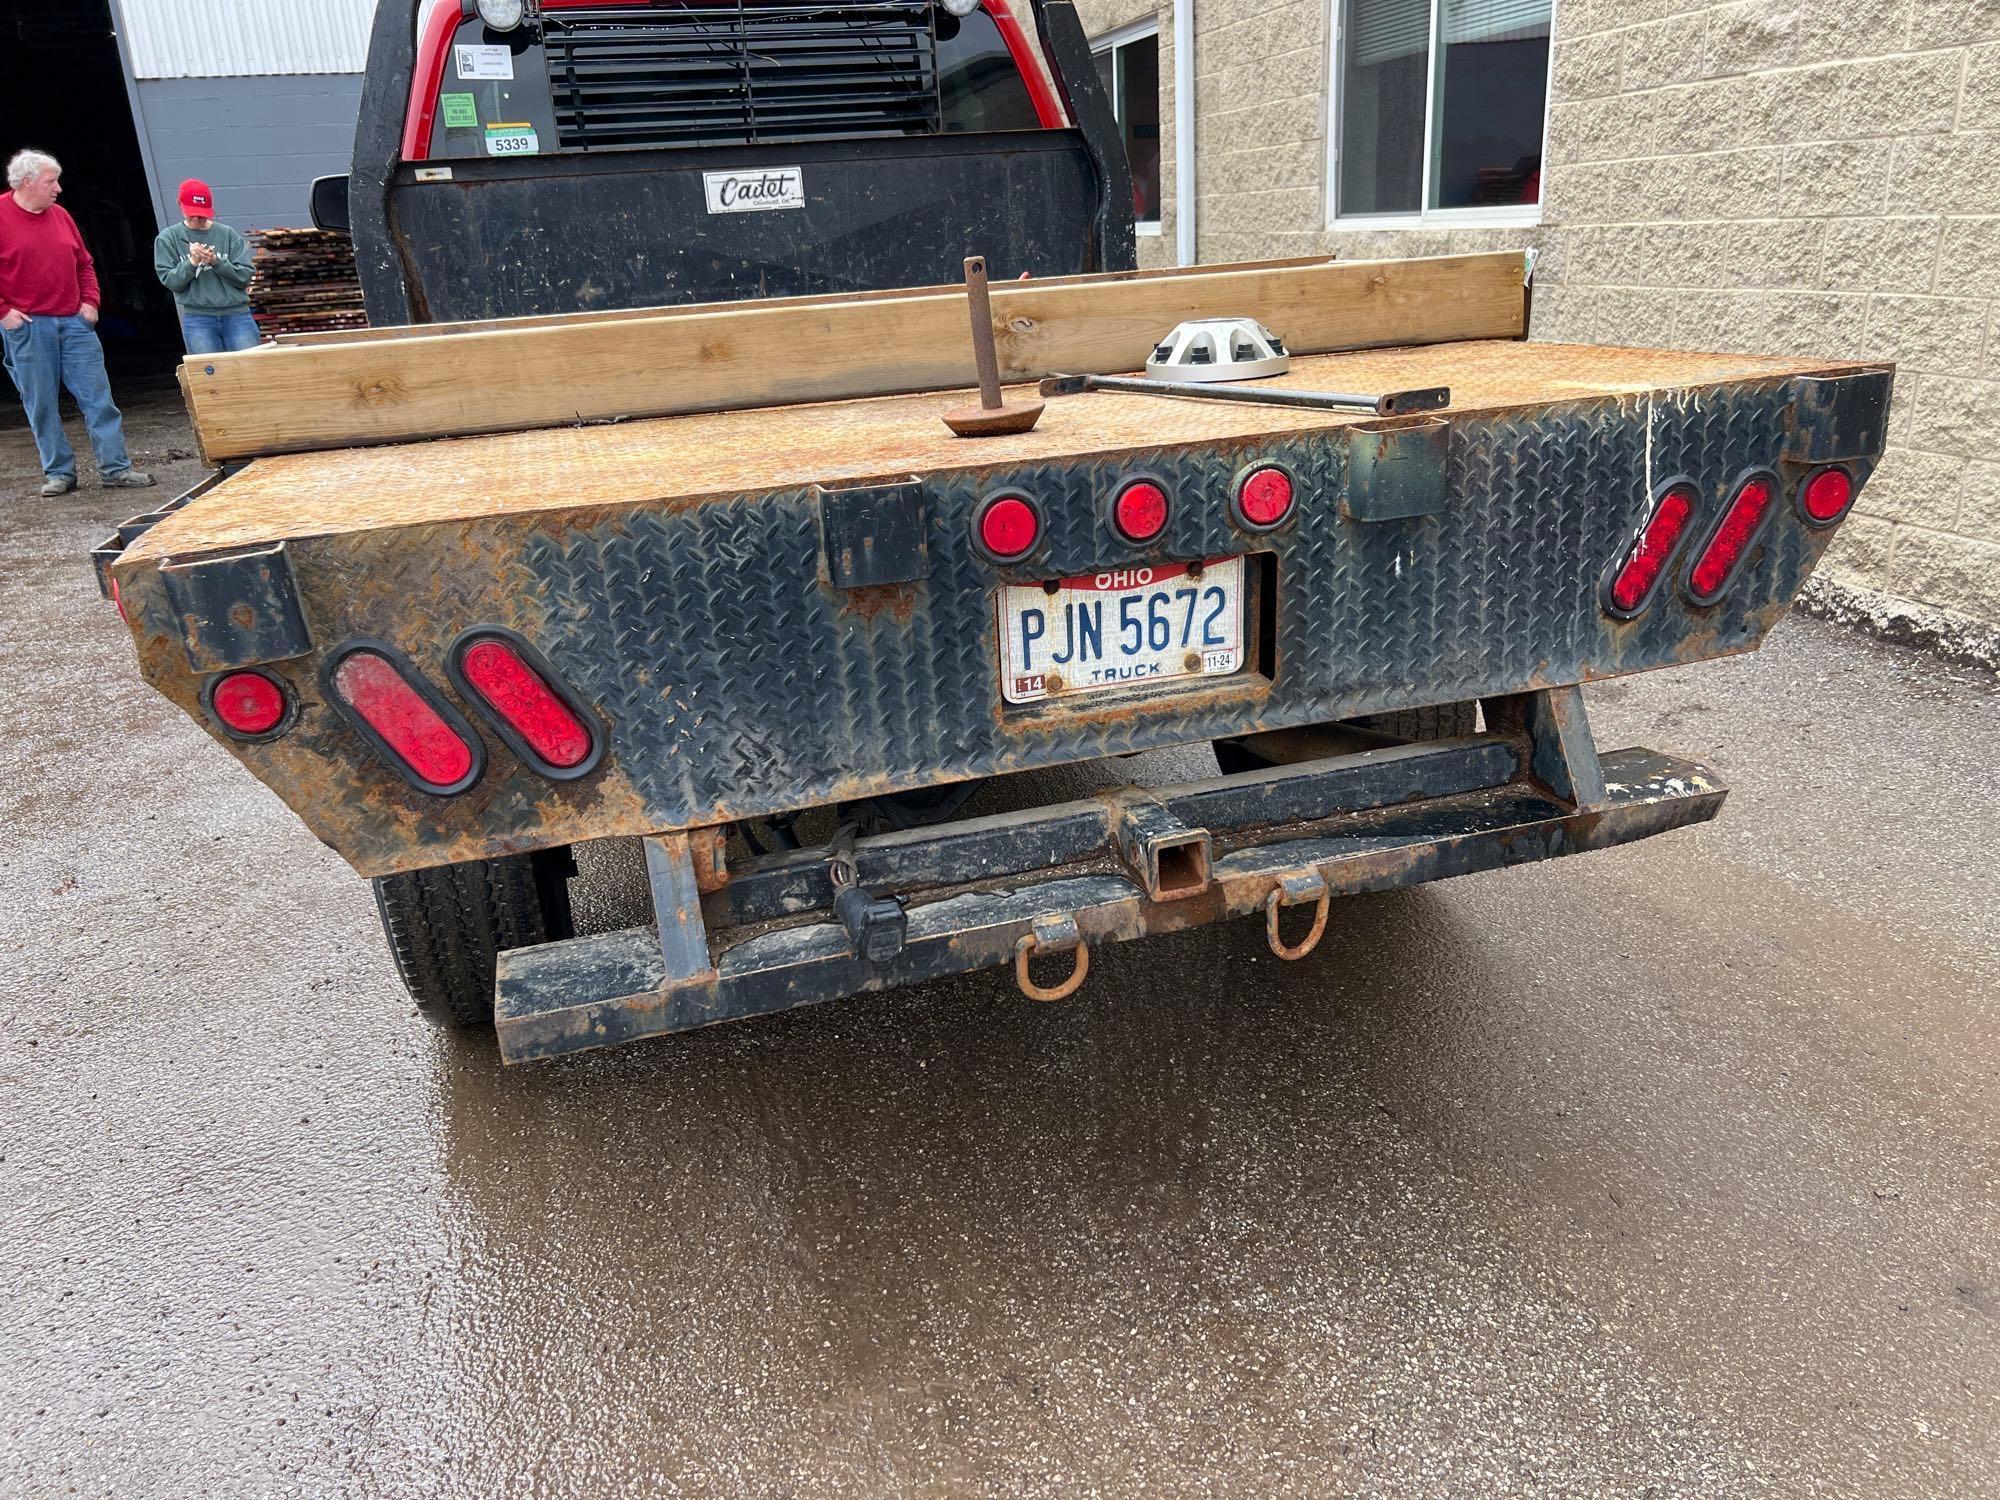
48, 327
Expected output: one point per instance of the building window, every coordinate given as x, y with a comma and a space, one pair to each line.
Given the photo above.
1128, 60
1438, 111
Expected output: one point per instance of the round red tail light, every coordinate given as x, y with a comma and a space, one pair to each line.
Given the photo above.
1140, 511
249, 704
1732, 539
1264, 498
1008, 526
1826, 495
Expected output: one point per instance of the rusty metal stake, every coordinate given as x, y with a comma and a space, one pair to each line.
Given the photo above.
993, 416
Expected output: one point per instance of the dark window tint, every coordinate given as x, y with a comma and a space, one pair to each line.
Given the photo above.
1386, 56
1492, 91
1477, 68
1131, 74
980, 86
689, 74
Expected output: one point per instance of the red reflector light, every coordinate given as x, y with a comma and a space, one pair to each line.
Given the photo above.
1140, 511
1826, 496
1265, 498
1732, 538
248, 702
1008, 527
1648, 558
524, 701
404, 721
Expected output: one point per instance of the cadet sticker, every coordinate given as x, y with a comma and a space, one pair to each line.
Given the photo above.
459, 110
754, 190
484, 62
515, 138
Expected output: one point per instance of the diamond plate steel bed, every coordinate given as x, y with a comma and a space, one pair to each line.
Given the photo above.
765, 611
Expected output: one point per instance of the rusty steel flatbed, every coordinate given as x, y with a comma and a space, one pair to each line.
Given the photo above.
751, 613
775, 609
718, 455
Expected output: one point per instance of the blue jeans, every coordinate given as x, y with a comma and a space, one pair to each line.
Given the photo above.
52, 354
215, 333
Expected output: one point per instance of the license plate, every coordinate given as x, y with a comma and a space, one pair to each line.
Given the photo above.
1125, 627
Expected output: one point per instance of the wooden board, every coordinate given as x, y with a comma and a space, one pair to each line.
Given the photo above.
589, 472
626, 314
298, 399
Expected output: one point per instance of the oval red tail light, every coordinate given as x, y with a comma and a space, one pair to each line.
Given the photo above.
1008, 527
1719, 559
1140, 511
249, 704
526, 703
1639, 574
406, 723
1825, 496
1264, 498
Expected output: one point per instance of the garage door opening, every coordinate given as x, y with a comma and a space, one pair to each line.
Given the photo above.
66, 95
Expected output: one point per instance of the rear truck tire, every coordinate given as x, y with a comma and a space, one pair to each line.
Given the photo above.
447, 926
1443, 721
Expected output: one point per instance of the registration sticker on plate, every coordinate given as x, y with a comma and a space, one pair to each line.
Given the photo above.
1121, 627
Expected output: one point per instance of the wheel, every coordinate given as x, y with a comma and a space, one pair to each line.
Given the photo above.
447, 926
1444, 721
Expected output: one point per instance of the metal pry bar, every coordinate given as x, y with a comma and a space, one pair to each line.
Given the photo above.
1389, 404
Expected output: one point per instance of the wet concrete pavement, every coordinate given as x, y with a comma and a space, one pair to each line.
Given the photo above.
1669, 1171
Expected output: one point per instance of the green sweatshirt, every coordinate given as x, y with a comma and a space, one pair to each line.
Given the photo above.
220, 288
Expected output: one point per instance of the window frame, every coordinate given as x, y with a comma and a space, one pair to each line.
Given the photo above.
1110, 42
1499, 216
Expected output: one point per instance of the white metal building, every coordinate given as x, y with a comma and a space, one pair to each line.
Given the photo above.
256, 97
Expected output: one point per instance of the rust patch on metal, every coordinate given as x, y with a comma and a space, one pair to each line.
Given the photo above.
898, 601
709, 848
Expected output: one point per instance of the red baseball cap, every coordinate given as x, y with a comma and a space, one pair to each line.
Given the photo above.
197, 195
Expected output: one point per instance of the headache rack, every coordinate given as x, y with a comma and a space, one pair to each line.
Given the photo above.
717, 75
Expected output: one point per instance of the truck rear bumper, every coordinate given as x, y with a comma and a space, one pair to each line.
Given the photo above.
1067, 878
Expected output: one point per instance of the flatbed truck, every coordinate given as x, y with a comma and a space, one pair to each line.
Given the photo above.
467, 599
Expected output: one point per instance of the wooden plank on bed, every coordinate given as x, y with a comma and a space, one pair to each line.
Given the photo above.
291, 399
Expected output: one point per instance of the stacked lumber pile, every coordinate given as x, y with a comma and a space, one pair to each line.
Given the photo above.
305, 281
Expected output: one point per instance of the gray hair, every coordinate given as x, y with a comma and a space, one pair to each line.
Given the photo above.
25, 166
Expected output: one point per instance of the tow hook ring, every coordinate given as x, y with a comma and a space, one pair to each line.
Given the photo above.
1053, 936
1296, 890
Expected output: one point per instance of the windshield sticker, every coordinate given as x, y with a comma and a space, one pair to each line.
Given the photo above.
512, 139
459, 110
484, 62
748, 192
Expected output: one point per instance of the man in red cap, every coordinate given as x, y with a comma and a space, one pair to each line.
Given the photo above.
48, 327
206, 266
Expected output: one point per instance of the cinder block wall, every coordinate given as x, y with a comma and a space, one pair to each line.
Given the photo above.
1818, 176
